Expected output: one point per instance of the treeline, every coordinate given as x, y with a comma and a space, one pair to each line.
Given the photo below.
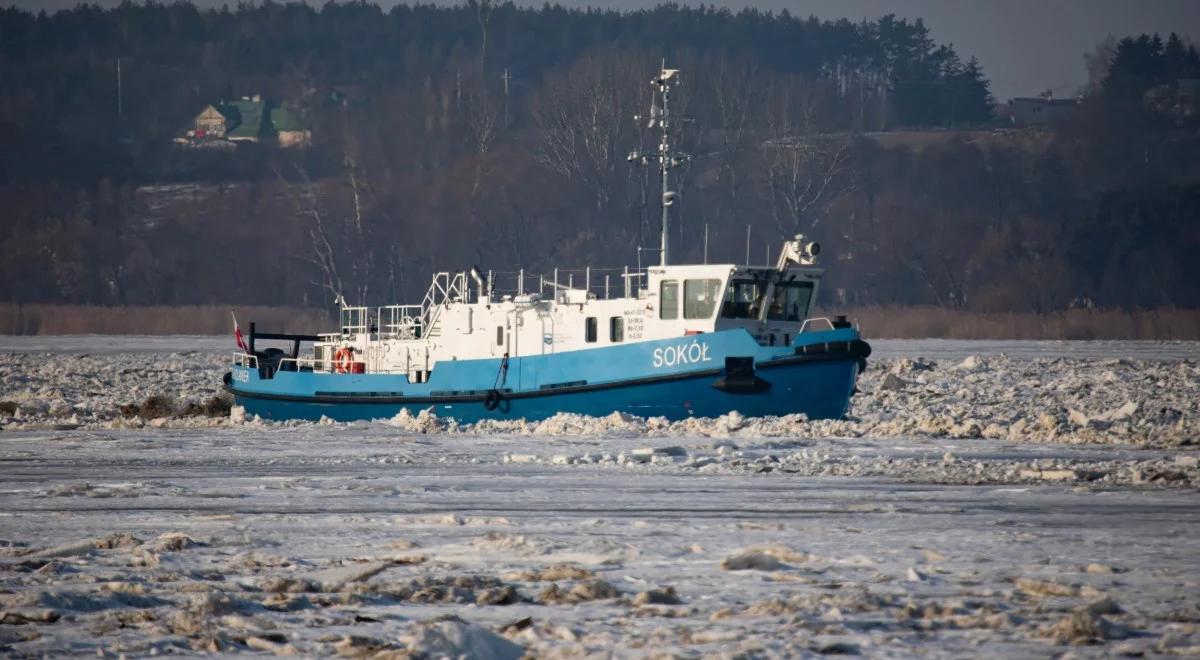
495, 135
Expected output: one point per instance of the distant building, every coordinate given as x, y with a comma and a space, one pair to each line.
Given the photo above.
1179, 99
1189, 88
289, 131
244, 119
1041, 110
250, 119
209, 124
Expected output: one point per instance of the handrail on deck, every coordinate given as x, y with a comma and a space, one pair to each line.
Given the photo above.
402, 321
312, 363
804, 326
353, 320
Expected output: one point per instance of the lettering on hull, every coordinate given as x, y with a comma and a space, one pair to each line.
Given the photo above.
695, 352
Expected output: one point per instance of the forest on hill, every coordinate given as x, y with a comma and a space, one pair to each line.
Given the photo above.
436, 138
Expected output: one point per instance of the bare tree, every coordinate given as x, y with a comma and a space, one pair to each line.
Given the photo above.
1098, 63
584, 119
807, 165
734, 91
946, 279
480, 117
340, 242
483, 16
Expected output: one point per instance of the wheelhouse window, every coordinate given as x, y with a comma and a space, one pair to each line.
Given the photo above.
668, 300
590, 330
742, 299
700, 298
790, 301
499, 335
616, 329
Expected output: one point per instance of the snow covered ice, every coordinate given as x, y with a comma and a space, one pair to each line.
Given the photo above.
1023, 497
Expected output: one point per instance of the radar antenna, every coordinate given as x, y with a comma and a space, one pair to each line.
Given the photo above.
660, 118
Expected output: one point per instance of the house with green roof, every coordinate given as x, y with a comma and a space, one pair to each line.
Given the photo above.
250, 119
244, 119
288, 129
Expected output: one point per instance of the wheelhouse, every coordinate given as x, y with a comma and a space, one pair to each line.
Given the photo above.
770, 303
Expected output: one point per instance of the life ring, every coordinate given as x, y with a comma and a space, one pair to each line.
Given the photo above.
343, 360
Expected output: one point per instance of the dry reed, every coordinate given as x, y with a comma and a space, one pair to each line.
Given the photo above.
937, 322
879, 322
189, 320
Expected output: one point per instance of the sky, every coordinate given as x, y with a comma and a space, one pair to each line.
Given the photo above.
1025, 46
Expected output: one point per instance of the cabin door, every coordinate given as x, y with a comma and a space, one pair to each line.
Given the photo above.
547, 339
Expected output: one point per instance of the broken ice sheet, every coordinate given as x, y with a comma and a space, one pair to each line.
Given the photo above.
945, 507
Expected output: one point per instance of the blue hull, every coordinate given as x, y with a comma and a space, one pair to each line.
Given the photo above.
815, 376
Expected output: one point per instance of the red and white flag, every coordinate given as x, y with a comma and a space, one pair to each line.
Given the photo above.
237, 334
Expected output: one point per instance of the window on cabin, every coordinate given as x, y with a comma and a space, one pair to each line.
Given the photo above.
742, 299
700, 298
668, 300
590, 330
499, 335
616, 329
791, 301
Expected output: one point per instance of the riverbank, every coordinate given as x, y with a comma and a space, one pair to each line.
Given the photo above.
149, 320
892, 322
940, 323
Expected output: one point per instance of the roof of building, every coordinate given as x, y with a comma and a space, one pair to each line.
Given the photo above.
283, 119
245, 116
209, 110
1045, 101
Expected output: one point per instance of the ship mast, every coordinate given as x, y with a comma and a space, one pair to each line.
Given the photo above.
664, 159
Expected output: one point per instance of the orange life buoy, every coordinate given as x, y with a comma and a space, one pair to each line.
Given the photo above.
343, 359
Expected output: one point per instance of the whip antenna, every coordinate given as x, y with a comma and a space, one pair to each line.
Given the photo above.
660, 118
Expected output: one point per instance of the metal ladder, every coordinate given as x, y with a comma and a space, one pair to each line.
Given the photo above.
443, 288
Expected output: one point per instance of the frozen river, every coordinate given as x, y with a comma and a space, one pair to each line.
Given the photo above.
880, 565
764, 538
940, 349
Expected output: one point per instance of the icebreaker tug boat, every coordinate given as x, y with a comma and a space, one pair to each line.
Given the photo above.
672, 340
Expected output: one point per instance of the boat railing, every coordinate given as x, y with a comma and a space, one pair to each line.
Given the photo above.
418, 321
355, 320
300, 364
600, 283
248, 360
399, 321
817, 320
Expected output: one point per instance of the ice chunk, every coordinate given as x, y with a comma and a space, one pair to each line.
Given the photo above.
663, 596
1035, 587
1083, 627
455, 638
334, 579
594, 589
752, 560
893, 383
971, 363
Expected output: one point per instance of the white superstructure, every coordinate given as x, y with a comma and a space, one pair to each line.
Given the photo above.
464, 317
